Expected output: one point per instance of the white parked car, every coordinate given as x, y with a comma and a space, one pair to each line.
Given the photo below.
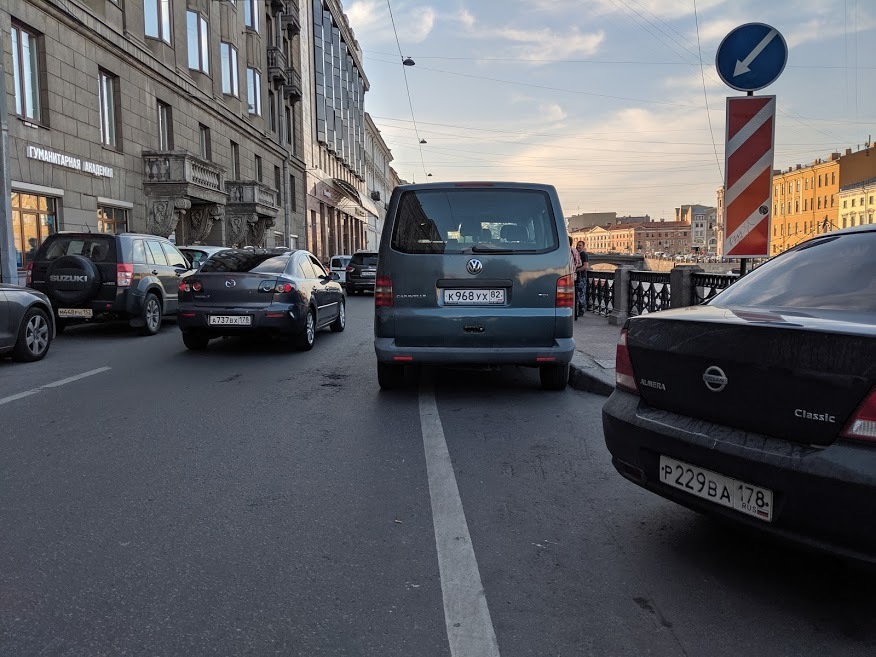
338, 265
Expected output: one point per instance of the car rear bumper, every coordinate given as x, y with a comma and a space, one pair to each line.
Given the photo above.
360, 282
822, 497
280, 319
127, 303
560, 352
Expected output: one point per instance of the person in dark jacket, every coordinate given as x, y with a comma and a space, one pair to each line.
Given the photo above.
581, 281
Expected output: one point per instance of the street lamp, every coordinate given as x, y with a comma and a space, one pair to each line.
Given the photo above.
407, 61
423, 141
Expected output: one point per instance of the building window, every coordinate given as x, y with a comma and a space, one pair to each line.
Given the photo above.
111, 220
198, 41
165, 127
833, 177
293, 196
254, 91
846, 202
806, 184
230, 75
157, 15
235, 161
289, 127
108, 116
26, 72
278, 181
251, 14
819, 202
796, 206
832, 200
798, 184
205, 150
33, 219
272, 111
819, 180
258, 167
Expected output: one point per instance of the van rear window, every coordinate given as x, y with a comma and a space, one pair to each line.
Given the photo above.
475, 221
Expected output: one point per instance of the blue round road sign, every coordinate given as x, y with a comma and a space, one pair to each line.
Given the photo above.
751, 57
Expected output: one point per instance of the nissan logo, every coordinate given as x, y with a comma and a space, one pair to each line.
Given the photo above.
474, 266
230, 283
715, 379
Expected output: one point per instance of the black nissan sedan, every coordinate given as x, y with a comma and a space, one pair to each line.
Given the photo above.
760, 406
246, 291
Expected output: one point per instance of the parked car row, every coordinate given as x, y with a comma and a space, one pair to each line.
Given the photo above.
213, 291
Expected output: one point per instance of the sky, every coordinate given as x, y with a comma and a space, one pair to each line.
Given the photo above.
605, 99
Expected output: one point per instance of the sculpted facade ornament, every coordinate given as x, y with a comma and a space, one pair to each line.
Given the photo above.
201, 221
237, 227
163, 214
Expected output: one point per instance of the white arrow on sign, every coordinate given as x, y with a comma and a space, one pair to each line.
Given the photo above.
743, 66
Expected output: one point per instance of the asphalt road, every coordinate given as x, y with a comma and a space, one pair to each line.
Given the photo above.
253, 500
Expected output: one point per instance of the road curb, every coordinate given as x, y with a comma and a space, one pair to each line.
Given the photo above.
587, 375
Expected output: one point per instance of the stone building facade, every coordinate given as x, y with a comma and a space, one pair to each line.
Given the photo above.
380, 179
178, 118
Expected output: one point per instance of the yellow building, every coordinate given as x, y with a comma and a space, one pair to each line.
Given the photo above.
857, 204
805, 199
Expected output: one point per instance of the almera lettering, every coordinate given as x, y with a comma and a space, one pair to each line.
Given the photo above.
69, 161
652, 384
817, 417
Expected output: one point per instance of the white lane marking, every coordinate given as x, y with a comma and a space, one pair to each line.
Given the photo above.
54, 384
469, 626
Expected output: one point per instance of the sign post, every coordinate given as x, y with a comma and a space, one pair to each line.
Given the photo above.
751, 57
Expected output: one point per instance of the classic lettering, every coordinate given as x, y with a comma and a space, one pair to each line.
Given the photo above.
817, 417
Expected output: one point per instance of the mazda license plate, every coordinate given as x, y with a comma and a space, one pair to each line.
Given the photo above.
726, 491
230, 320
474, 297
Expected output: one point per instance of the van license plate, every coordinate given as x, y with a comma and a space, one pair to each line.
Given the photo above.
732, 493
474, 297
230, 320
75, 312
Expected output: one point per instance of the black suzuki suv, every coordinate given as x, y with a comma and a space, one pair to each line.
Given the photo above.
361, 272
98, 277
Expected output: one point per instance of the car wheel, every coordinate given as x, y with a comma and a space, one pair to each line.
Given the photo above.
308, 337
195, 341
390, 376
554, 377
340, 322
34, 336
151, 315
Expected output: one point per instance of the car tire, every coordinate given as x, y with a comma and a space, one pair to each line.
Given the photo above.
305, 340
340, 322
151, 315
195, 341
34, 337
389, 376
554, 377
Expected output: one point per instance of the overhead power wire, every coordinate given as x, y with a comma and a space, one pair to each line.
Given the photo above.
706, 94
407, 86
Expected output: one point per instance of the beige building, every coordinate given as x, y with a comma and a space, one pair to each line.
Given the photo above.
596, 239
623, 237
590, 219
719, 223
381, 179
857, 204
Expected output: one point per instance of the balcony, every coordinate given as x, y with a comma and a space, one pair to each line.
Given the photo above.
251, 197
277, 65
290, 18
292, 86
182, 174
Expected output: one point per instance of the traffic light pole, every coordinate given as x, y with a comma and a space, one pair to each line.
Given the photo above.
8, 259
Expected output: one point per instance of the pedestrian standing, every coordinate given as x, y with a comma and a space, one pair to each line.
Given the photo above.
575, 261
581, 282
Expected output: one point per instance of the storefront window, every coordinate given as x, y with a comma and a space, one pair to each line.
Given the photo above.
111, 220
33, 219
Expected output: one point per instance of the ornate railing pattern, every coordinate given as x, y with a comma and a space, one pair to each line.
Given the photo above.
706, 286
266, 196
290, 18
277, 65
203, 175
649, 292
600, 292
182, 167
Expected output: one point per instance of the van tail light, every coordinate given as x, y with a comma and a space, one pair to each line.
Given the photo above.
566, 292
124, 275
862, 426
623, 366
348, 269
29, 275
383, 292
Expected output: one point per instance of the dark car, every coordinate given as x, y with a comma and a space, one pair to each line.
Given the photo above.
760, 406
26, 324
361, 272
244, 292
198, 254
99, 277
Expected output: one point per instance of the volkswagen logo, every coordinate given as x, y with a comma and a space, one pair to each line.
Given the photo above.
715, 379
474, 266
230, 282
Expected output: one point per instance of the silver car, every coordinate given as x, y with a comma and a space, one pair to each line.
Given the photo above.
27, 326
474, 273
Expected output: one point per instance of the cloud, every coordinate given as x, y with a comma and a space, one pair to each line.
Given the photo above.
552, 112
370, 22
545, 43
417, 28
466, 18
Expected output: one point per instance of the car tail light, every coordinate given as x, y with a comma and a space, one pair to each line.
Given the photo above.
197, 286
863, 423
190, 286
566, 292
284, 287
383, 292
185, 287
349, 269
124, 275
29, 277
623, 366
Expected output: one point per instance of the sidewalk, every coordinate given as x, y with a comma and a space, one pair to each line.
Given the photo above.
593, 362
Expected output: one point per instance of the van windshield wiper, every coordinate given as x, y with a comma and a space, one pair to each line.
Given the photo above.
488, 248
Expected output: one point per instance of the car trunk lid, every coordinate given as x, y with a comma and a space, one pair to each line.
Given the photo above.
235, 290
